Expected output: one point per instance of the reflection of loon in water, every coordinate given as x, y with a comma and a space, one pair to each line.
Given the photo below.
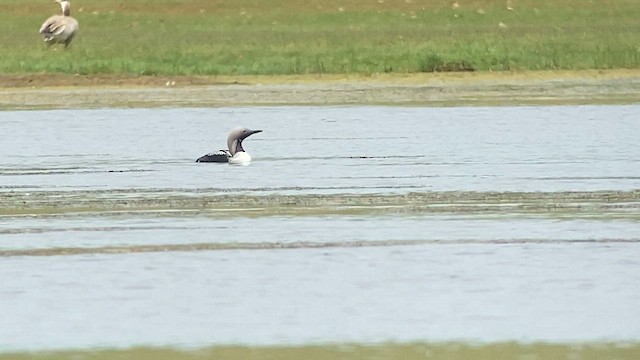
236, 154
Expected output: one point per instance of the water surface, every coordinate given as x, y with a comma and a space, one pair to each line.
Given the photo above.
327, 149
479, 224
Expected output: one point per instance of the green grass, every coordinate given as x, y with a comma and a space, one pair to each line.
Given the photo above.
444, 351
269, 37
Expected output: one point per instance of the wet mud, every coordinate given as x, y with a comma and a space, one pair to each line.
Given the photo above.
65, 91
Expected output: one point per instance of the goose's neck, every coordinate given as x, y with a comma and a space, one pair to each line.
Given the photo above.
66, 8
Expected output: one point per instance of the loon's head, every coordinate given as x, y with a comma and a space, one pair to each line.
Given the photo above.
236, 136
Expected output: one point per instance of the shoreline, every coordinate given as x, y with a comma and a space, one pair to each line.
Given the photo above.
59, 91
435, 350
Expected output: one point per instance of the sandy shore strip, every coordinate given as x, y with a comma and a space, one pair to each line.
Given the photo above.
348, 351
55, 91
175, 202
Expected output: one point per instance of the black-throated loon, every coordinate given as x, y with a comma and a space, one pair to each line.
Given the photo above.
236, 155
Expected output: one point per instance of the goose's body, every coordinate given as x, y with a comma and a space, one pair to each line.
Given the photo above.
236, 155
60, 29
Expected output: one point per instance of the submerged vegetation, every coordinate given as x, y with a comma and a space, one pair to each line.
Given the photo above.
232, 37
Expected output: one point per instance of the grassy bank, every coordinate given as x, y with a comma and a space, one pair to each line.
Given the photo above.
228, 37
444, 351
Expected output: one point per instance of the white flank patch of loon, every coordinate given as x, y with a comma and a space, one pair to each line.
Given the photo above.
241, 158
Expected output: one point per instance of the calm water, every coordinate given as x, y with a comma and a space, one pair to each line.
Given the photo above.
477, 277
320, 149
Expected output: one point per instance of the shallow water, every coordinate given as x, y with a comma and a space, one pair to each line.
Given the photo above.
557, 292
112, 236
327, 149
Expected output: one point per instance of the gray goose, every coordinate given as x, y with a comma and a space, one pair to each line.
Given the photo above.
60, 29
